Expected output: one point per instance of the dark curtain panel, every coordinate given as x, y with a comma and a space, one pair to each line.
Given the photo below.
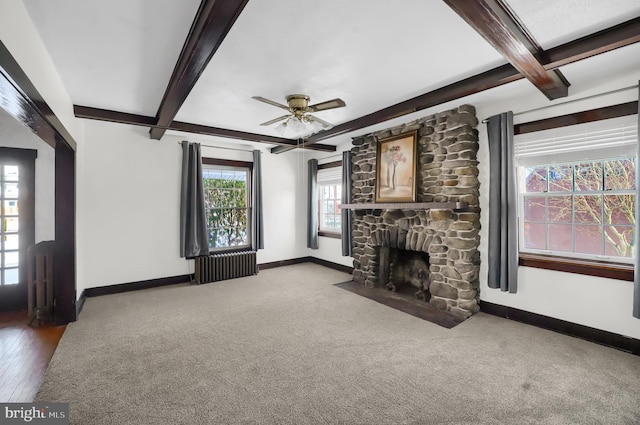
346, 199
636, 260
193, 223
257, 224
312, 205
503, 227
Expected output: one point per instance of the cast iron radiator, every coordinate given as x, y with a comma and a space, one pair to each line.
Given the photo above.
225, 266
40, 281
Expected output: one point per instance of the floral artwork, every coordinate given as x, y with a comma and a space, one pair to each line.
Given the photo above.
395, 171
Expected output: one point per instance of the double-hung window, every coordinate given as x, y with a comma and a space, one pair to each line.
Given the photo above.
227, 203
329, 198
576, 190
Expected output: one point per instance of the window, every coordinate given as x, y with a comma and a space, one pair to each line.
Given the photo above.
226, 194
577, 191
10, 225
329, 198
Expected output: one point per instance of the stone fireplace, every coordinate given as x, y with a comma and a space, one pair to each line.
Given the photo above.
432, 251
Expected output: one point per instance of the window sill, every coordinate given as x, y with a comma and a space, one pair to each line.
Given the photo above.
574, 265
326, 234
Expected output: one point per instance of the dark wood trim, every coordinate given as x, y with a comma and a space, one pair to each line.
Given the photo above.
136, 286
80, 303
227, 162
99, 114
578, 266
20, 99
594, 44
212, 23
582, 48
610, 339
64, 260
500, 29
614, 111
334, 164
331, 265
241, 135
282, 263
334, 235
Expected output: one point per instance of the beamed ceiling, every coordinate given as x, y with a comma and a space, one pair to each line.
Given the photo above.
190, 68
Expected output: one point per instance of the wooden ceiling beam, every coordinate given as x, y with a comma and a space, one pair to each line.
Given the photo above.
212, 23
603, 41
145, 121
498, 26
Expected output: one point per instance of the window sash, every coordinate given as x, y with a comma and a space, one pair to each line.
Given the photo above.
325, 203
573, 222
240, 212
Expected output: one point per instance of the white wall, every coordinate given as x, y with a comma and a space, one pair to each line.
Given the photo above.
15, 135
128, 205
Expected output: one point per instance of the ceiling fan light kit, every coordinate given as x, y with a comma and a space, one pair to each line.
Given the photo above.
299, 122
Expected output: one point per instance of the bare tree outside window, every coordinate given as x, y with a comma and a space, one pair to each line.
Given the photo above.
585, 207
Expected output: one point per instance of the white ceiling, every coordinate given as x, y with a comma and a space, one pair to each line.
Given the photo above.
119, 54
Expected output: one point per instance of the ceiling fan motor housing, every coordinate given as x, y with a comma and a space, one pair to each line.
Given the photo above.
298, 101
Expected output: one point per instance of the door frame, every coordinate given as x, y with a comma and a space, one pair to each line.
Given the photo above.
20, 99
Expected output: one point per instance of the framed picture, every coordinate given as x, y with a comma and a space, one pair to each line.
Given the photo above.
396, 168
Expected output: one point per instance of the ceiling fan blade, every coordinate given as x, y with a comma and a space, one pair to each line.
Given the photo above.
323, 122
270, 102
329, 104
275, 120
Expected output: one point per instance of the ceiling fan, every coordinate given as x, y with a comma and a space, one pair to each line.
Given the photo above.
299, 118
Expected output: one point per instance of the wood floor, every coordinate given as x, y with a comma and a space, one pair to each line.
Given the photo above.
25, 353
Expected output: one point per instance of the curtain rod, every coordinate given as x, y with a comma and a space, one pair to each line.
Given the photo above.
484, 121
222, 147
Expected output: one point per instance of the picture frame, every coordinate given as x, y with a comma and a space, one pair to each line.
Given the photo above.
396, 160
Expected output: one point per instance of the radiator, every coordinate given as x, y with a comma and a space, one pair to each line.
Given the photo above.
40, 281
225, 266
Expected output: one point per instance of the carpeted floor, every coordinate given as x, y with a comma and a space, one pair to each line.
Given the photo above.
288, 347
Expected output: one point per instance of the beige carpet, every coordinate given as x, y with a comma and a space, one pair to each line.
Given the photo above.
287, 347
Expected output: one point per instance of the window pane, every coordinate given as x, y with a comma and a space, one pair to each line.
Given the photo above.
10, 259
535, 235
588, 239
11, 277
619, 209
11, 190
588, 209
560, 178
535, 179
618, 241
588, 176
560, 209
619, 174
10, 224
534, 208
10, 207
11, 241
11, 173
561, 237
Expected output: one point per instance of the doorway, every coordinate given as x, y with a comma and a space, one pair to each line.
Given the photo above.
17, 224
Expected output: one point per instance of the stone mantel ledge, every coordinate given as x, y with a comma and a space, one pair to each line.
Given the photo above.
407, 206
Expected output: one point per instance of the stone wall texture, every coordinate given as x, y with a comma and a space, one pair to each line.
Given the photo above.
447, 172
